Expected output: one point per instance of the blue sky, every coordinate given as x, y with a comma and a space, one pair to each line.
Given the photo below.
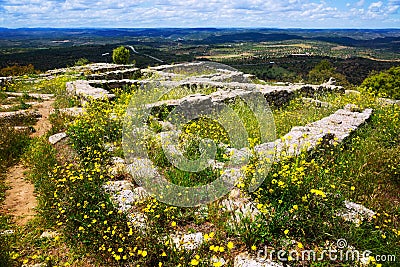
200, 13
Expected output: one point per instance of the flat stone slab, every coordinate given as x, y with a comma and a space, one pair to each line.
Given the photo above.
86, 91
115, 74
54, 139
20, 114
337, 126
33, 95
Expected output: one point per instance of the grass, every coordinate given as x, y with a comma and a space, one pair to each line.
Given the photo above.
298, 200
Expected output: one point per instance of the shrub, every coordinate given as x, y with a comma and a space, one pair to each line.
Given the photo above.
325, 70
82, 62
386, 83
121, 55
18, 70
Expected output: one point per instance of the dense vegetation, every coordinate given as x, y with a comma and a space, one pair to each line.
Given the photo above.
17, 70
386, 83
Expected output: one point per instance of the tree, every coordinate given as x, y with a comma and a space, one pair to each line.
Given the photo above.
81, 62
323, 71
385, 83
121, 55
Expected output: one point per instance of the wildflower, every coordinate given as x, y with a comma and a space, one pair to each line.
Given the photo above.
299, 245
194, 262
253, 247
173, 224
230, 245
206, 237
286, 231
318, 192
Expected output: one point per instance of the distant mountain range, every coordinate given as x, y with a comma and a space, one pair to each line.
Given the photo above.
388, 38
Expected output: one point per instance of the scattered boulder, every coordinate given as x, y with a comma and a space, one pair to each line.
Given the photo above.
352, 92
188, 241
124, 194
7, 232
356, 213
49, 234
54, 139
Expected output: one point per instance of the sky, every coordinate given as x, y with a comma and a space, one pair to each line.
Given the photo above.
200, 13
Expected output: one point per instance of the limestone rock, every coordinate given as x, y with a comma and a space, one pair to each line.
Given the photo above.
86, 91
14, 116
73, 112
32, 95
356, 213
352, 92
49, 234
54, 139
245, 260
316, 102
124, 194
387, 101
188, 241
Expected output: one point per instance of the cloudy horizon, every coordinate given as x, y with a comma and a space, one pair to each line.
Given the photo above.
193, 13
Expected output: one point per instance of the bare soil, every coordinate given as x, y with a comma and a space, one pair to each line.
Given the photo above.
20, 200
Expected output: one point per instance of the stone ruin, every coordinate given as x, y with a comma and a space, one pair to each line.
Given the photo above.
229, 84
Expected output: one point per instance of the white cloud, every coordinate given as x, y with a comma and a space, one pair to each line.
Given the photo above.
360, 3
194, 13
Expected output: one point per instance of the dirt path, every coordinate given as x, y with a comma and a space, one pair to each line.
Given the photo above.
43, 125
20, 200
